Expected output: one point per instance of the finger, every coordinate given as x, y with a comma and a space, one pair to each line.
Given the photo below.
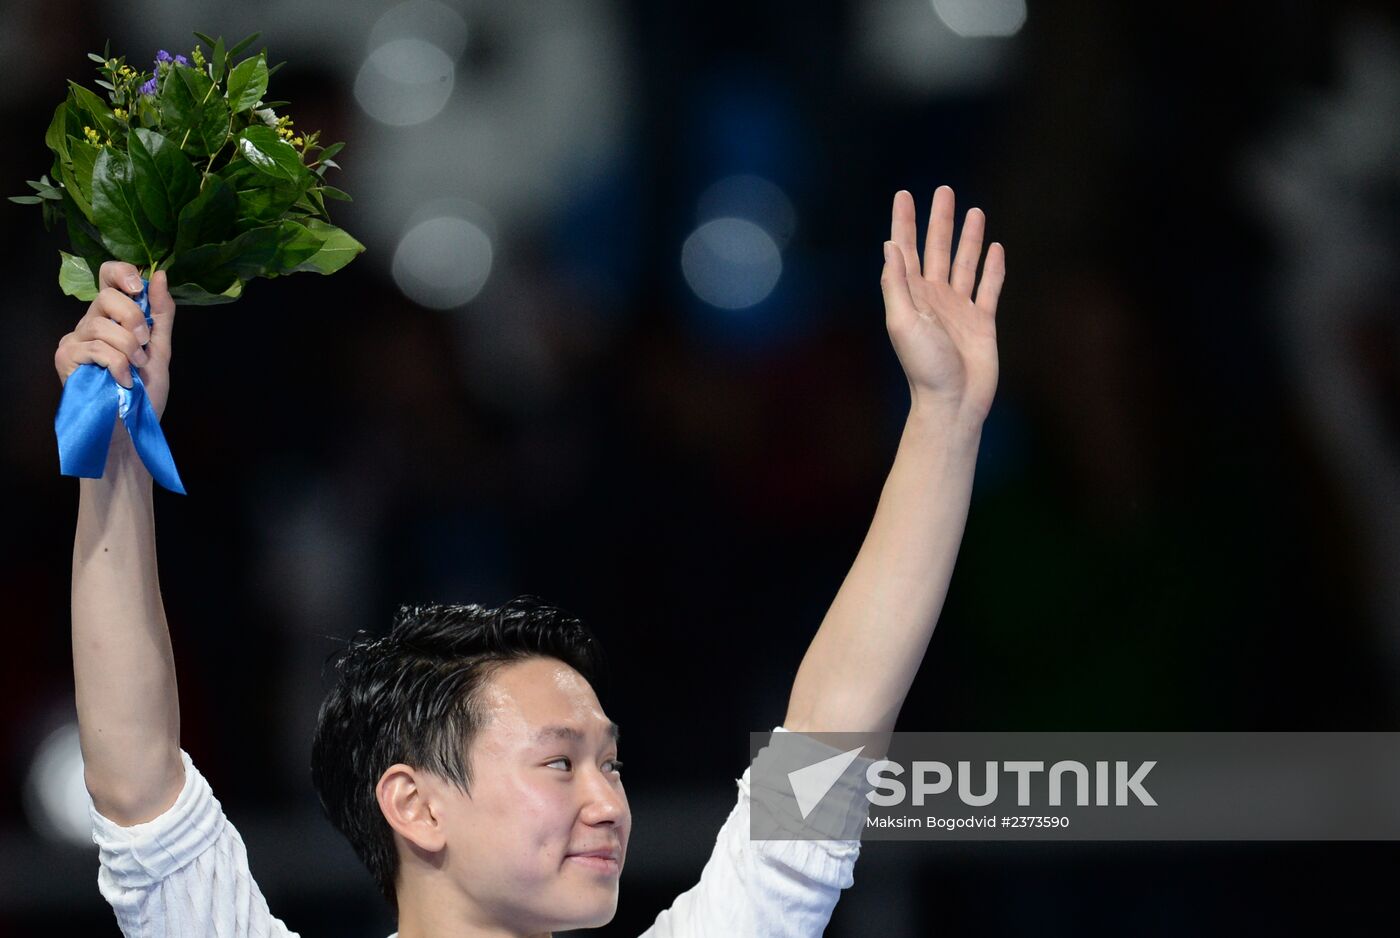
904, 229
162, 316
104, 330
939, 241
115, 306
63, 357
993, 276
969, 252
100, 353
119, 275
894, 283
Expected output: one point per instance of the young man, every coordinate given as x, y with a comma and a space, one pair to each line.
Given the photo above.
465, 754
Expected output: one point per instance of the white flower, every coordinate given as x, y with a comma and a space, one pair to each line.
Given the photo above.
268, 116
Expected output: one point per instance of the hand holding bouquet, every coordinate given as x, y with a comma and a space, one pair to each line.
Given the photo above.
185, 169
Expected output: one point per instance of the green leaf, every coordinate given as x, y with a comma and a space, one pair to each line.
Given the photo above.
56, 137
77, 178
237, 50
193, 115
247, 83
97, 58
330, 151
94, 110
26, 199
262, 199
117, 213
213, 267
314, 203
208, 219
337, 249
44, 188
73, 120
331, 192
83, 236
296, 243
273, 70
77, 175
164, 179
202, 266
251, 254
204, 39
218, 61
193, 295
75, 278
268, 153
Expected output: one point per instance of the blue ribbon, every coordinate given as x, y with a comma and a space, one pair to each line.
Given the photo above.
92, 401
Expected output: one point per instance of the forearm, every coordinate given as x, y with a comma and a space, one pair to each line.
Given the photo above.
863, 658
123, 669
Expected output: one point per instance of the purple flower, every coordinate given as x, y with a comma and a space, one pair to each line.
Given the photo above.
149, 87
181, 60
162, 56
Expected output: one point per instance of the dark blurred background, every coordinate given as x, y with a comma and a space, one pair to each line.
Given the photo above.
617, 341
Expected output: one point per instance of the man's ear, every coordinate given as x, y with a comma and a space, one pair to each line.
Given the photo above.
404, 795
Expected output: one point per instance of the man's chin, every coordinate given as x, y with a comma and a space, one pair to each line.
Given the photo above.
601, 913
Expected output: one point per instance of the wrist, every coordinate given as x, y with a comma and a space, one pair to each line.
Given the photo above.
124, 466
951, 420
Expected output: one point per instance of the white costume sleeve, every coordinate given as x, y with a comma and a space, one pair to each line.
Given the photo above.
184, 874
764, 888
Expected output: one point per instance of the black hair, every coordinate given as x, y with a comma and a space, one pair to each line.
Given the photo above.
411, 697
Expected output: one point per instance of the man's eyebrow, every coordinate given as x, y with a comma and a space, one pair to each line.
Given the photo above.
573, 733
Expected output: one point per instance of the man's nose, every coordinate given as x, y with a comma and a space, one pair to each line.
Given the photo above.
606, 803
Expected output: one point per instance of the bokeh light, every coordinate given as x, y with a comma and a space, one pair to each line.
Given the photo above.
731, 263
975, 19
405, 82
443, 261
410, 72
749, 196
432, 22
55, 794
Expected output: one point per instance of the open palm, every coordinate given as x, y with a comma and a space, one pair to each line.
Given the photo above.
944, 335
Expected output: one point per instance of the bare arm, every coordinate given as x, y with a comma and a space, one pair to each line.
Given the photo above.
123, 670
862, 661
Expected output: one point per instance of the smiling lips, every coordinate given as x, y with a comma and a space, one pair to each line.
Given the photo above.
600, 861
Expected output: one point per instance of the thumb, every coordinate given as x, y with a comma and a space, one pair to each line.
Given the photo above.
894, 283
162, 314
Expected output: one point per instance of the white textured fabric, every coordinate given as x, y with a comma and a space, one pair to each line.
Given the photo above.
760, 888
185, 875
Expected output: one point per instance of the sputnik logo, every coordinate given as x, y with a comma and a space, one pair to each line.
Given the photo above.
810, 784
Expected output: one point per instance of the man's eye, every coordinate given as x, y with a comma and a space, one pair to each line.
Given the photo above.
562, 760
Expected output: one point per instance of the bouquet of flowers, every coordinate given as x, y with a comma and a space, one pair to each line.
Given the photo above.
186, 169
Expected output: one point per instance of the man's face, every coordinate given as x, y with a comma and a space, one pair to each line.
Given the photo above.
541, 837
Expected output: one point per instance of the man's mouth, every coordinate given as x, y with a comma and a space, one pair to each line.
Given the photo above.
603, 860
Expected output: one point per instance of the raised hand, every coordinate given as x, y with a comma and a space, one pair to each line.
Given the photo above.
113, 332
944, 335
